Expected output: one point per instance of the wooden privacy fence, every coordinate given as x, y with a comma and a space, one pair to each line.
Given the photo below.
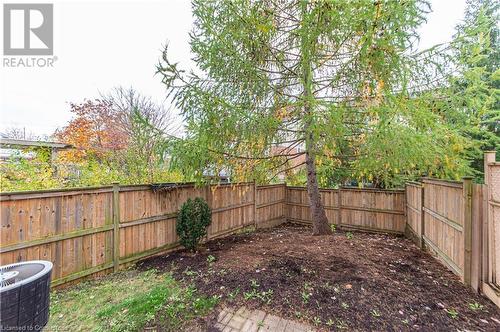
96, 230
352, 208
93, 230
440, 217
459, 221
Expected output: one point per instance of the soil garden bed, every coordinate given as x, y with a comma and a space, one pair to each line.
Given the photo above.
349, 280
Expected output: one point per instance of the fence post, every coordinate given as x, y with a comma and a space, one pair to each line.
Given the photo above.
489, 157
255, 203
405, 211
339, 205
285, 205
422, 217
488, 230
116, 228
467, 195
208, 198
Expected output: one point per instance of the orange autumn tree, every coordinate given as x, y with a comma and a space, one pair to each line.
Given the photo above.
122, 136
94, 131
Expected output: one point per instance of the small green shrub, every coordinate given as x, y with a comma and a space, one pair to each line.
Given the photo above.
192, 222
452, 313
476, 306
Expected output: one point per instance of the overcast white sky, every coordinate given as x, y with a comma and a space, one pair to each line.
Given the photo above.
100, 45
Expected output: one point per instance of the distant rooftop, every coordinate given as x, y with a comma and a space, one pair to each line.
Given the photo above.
8, 143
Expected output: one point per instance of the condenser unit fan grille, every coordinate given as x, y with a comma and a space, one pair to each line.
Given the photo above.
24, 295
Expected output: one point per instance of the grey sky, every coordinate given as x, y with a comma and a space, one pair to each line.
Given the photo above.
100, 45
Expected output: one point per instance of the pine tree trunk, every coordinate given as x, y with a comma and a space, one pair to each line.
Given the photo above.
320, 222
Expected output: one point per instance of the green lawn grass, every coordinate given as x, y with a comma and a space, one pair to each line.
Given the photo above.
127, 301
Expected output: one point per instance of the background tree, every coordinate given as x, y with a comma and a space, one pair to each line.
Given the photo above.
122, 137
21, 133
126, 102
149, 128
33, 173
338, 79
94, 131
477, 60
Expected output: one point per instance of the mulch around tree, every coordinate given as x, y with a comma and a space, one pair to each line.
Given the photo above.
352, 281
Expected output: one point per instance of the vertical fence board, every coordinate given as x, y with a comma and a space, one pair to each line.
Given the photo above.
477, 235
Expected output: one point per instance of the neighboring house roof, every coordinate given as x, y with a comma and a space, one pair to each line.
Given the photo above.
9, 146
8, 143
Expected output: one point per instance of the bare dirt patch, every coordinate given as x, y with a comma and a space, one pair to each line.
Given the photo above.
354, 281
